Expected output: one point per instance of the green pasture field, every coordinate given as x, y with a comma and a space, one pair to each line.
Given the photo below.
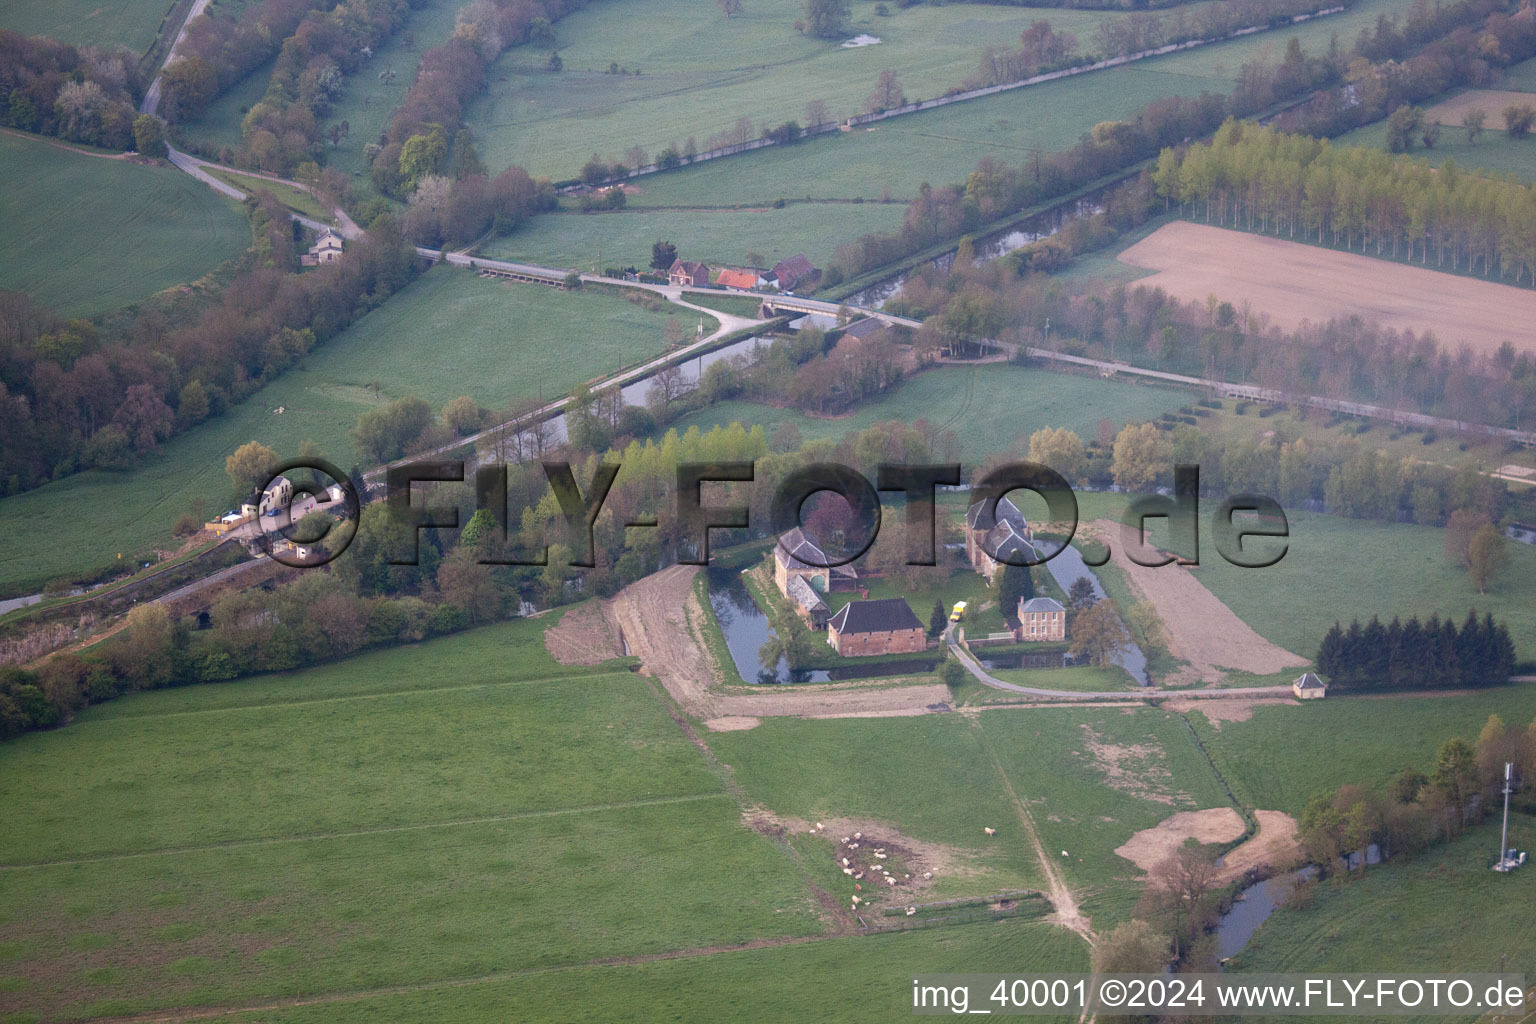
543, 121
294, 198
865, 977
991, 407
595, 241
130, 23
737, 305
1495, 151
1439, 912
85, 234
926, 777
1284, 755
1091, 778
1073, 677
449, 333
219, 124
338, 831
368, 101
700, 71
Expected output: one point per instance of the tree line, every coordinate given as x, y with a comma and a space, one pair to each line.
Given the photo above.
79, 394
1418, 808
1434, 655
996, 189
84, 94
221, 49
1265, 180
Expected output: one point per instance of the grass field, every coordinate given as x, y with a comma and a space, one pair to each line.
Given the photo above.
595, 241
863, 977
1441, 912
86, 234
1283, 756
219, 125
448, 334
1494, 151
989, 407
293, 198
700, 71
340, 829
130, 23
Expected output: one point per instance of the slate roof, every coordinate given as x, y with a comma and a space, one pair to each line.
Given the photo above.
797, 551
1010, 537
865, 328
1040, 604
1308, 681
805, 595
883, 616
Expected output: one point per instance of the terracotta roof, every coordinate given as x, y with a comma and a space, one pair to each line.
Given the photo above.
892, 613
792, 271
737, 279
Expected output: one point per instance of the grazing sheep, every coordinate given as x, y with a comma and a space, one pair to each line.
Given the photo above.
855, 899
1064, 853
847, 871
845, 839
859, 875
990, 831
888, 878
880, 855
927, 874
820, 826
845, 862
911, 911
853, 846
858, 835
909, 876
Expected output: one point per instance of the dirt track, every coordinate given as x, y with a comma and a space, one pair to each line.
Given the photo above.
1293, 281
662, 619
1490, 101
1201, 630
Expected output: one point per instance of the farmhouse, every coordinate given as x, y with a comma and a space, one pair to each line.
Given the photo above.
1010, 537
876, 627
787, 275
1308, 687
688, 273
1041, 620
327, 249
801, 574
740, 280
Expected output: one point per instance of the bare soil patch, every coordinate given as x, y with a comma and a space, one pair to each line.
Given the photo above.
1151, 846
1227, 710
1201, 630
583, 637
914, 856
1136, 770
732, 723
1274, 846
1293, 282
1490, 101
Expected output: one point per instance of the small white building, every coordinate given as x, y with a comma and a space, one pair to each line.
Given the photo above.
327, 249
1308, 687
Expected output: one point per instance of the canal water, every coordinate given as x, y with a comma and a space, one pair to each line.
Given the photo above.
1066, 569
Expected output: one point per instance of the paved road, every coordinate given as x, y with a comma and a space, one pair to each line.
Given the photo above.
151, 102
1141, 693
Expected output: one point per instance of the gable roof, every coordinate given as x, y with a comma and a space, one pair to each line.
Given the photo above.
795, 550
1040, 604
865, 328
805, 595
737, 279
690, 268
1010, 537
1308, 681
875, 616
791, 270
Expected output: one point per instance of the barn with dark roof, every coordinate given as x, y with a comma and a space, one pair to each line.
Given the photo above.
864, 628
